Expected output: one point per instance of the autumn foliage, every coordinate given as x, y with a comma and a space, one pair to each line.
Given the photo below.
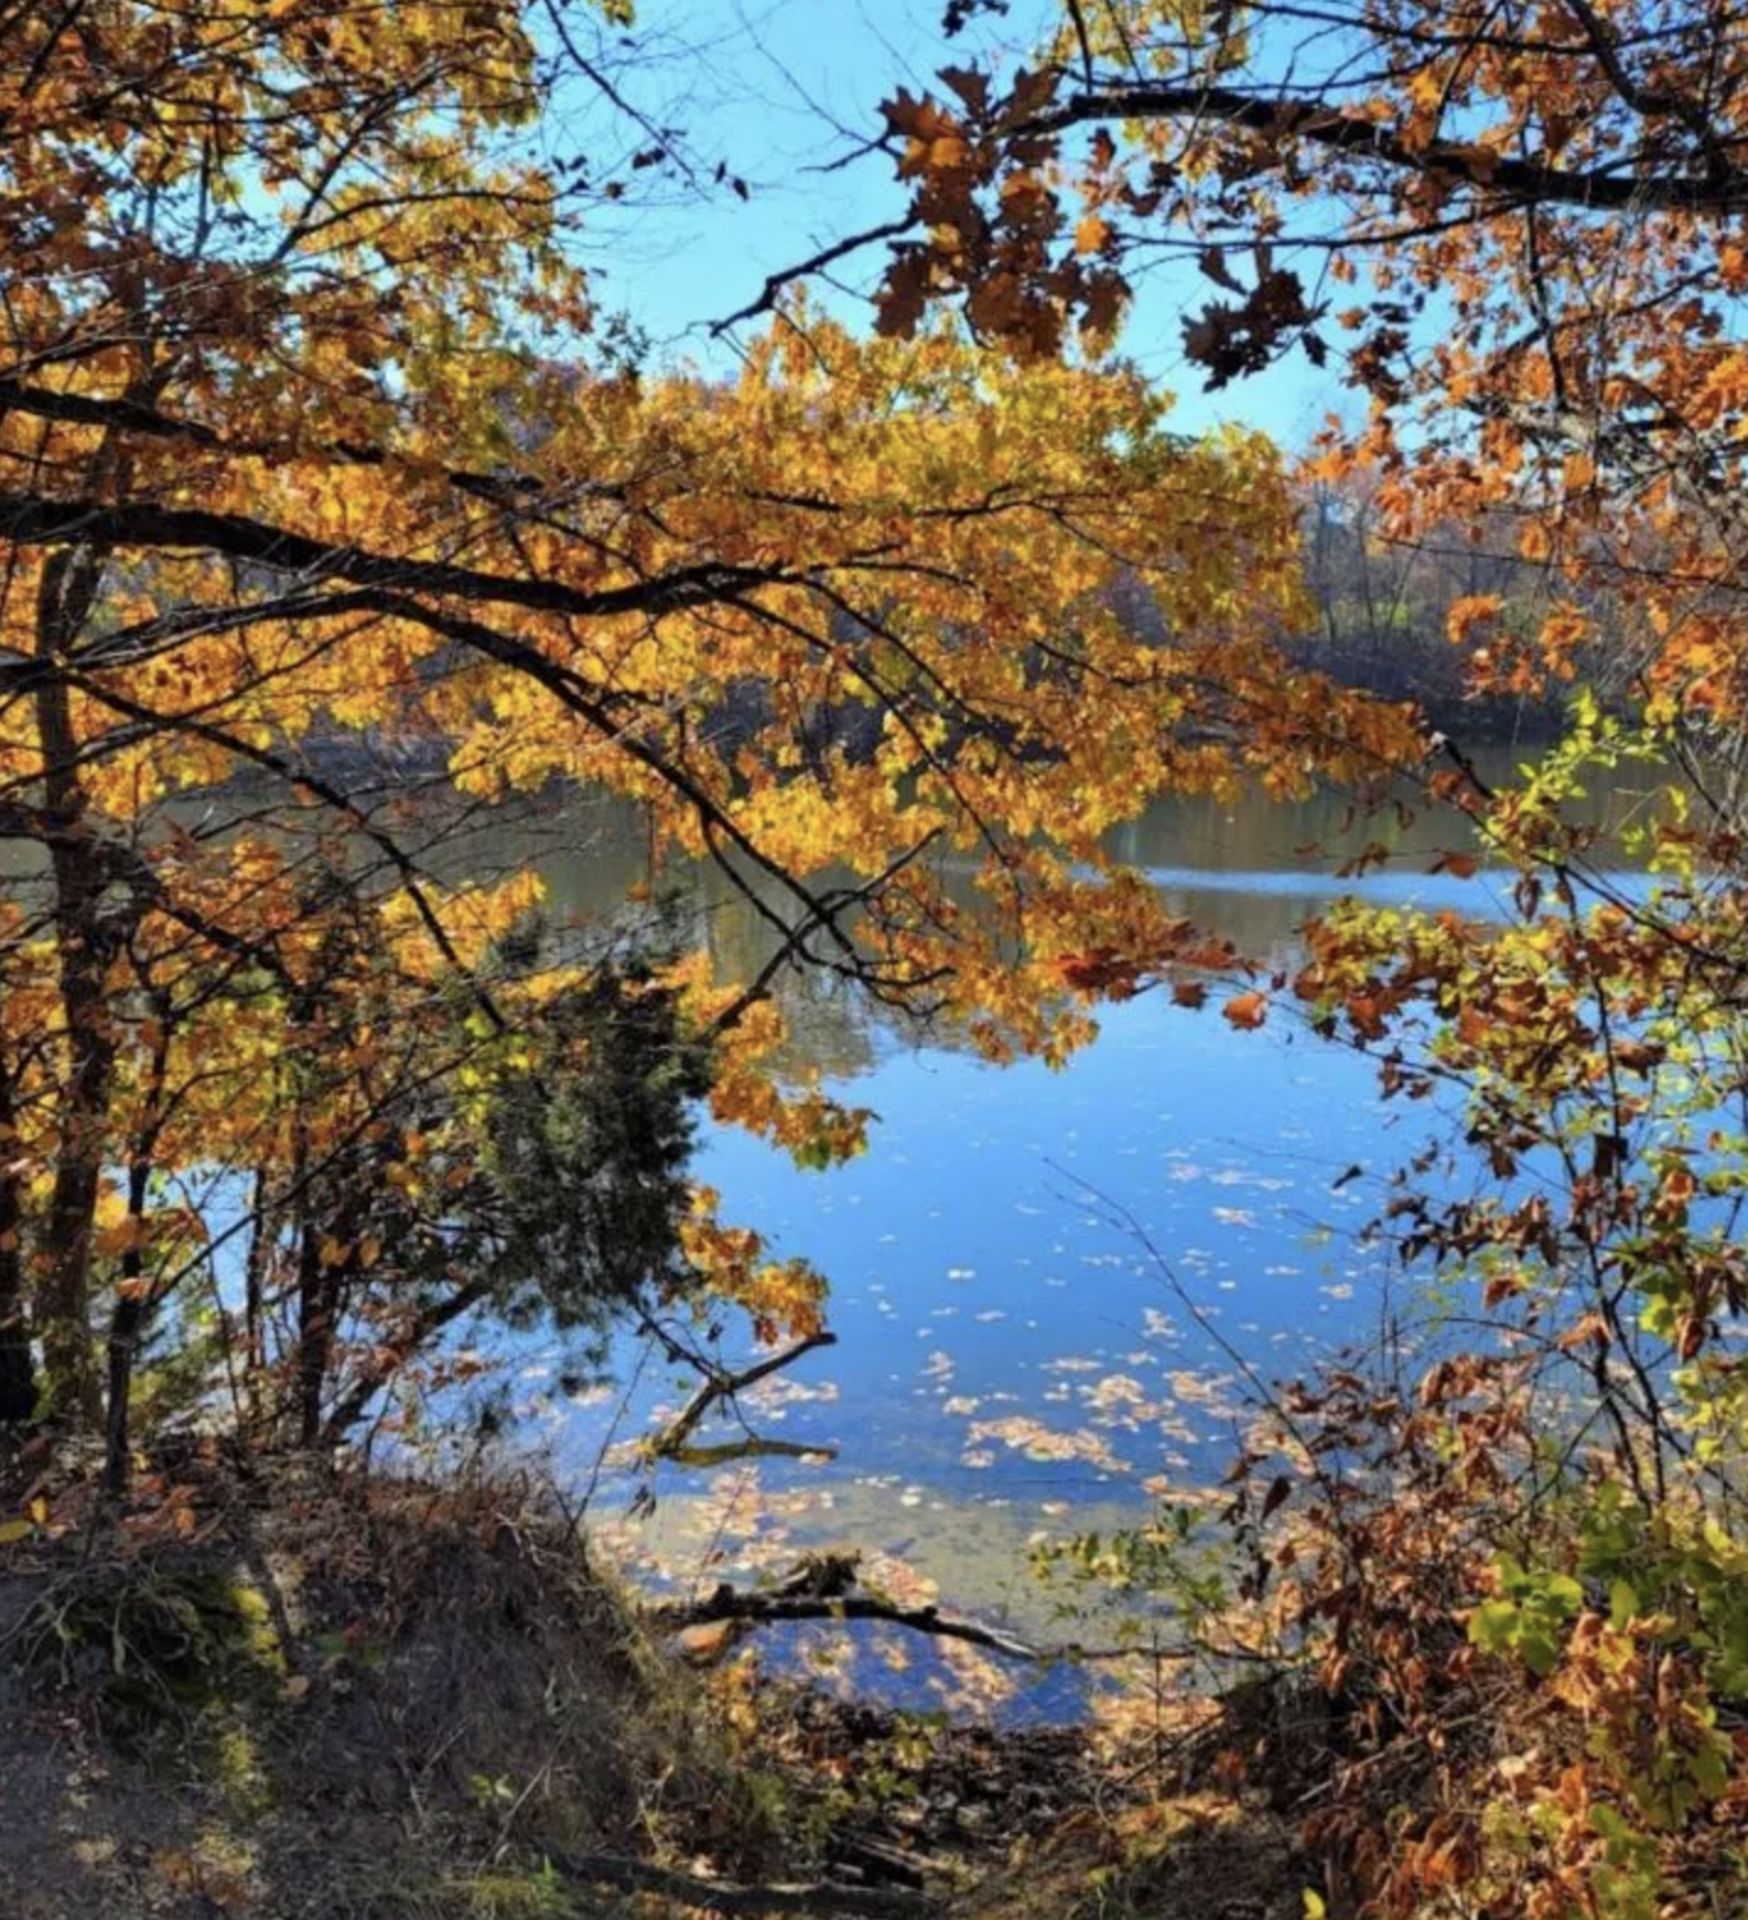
312, 457
1516, 233
309, 460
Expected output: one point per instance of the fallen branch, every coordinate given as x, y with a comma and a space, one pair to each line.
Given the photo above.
719, 1386
719, 1896
752, 1447
771, 1609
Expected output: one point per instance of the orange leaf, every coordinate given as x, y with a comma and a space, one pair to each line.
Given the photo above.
1589, 1326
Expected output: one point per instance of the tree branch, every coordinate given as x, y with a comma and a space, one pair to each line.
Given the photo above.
779, 1608
720, 1386
766, 299
1528, 181
37, 520
122, 415
721, 1896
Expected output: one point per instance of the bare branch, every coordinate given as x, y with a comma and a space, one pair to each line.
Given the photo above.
780, 1608
722, 1896
719, 1387
826, 256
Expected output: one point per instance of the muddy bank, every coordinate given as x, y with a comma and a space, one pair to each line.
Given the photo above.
285, 1694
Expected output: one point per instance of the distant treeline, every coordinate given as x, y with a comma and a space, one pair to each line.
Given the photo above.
1383, 614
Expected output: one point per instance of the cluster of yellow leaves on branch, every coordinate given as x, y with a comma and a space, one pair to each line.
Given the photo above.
305, 450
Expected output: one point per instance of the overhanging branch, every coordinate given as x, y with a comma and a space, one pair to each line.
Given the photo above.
1603, 190
720, 1387
783, 1608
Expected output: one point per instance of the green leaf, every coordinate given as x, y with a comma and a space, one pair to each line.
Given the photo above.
1711, 1771
1564, 1592
1608, 1823
1493, 1626
1539, 1651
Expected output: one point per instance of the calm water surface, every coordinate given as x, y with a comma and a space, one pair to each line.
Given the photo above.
1012, 1360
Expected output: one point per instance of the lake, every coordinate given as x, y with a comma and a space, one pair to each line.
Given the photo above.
1039, 1279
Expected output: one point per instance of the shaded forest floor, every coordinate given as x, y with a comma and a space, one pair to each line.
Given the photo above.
282, 1695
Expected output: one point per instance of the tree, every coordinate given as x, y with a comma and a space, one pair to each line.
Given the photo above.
1384, 604
307, 443
1518, 226
1518, 231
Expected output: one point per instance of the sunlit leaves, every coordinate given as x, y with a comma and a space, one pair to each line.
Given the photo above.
302, 396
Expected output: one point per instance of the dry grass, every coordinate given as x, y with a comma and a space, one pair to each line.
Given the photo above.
331, 1699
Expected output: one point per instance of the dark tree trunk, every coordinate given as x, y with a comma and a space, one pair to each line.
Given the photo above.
133, 1305
314, 1332
321, 1290
17, 1367
254, 1296
127, 1328
84, 944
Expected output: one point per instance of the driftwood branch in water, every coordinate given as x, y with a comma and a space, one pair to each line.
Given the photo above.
771, 1609
718, 1896
750, 1446
719, 1386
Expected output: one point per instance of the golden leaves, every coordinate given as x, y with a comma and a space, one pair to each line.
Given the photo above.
784, 1299
894, 628
1584, 372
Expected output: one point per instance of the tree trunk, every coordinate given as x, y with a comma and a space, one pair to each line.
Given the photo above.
254, 1295
17, 1367
133, 1303
84, 943
314, 1331
126, 1329
321, 1288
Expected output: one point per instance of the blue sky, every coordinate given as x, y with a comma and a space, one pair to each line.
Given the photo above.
778, 89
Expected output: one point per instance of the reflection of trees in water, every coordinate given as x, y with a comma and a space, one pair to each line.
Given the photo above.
593, 852
1254, 834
